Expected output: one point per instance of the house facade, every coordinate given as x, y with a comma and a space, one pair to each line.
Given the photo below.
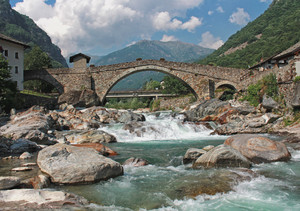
281, 60
13, 51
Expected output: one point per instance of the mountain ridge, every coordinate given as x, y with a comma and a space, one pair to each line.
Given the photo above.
154, 49
24, 29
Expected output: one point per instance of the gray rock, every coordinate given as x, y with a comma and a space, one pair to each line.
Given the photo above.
259, 149
25, 155
90, 136
222, 156
85, 98
22, 145
268, 103
70, 165
30, 199
128, 116
135, 162
192, 154
24, 168
209, 107
9, 182
32, 124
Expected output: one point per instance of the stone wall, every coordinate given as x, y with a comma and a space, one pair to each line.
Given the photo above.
175, 103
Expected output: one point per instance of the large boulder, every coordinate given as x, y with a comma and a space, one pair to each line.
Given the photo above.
222, 156
78, 98
32, 124
128, 116
88, 136
259, 149
70, 165
208, 110
30, 199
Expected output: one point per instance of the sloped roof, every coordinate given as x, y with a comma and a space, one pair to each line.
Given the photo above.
9, 39
80, 55
290, 51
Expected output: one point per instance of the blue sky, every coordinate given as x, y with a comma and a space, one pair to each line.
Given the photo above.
101, 26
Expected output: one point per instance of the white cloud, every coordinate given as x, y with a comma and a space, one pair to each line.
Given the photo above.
167, 38
240, 17
209, 41
76, 25
220, 9
163, 21
210, 12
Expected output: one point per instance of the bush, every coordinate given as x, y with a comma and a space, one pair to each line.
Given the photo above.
268, 85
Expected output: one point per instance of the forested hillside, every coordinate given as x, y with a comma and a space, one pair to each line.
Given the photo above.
23, 28
271, 33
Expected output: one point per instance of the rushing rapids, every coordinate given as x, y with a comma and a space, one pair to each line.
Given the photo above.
167, 184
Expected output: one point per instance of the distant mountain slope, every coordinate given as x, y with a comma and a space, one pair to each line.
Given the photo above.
146, 49
23, 28
274, 31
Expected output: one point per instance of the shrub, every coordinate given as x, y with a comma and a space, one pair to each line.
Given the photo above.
268, 85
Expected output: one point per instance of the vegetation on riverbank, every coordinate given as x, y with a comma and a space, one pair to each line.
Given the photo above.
255, 92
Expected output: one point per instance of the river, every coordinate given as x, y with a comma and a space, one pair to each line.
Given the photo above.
167, 184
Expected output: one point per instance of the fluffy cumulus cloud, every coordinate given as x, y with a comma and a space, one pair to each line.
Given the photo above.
209, 41
167, 38
240, 17
76, 25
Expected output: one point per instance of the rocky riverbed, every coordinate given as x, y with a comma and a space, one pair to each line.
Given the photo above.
67, 146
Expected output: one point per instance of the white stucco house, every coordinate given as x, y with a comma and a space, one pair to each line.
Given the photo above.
13, 51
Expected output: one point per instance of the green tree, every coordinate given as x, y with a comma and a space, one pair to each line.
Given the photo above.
37, 59
8, 89
152, 85
173, 85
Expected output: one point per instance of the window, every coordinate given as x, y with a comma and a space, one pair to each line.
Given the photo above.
5, 52
17, 55
16, 69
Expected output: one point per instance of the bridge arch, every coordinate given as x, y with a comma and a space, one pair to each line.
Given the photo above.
43, 76
184, 78
226, 84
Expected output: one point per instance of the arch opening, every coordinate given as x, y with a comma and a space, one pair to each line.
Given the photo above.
149, 85
42, 87
225, 92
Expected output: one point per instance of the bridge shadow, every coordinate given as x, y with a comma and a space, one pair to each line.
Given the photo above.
43, 75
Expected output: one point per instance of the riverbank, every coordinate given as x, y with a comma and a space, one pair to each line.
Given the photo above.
160, 138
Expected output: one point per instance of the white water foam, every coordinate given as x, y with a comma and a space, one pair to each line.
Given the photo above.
162, 127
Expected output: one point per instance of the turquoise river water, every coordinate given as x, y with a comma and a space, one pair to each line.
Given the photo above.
167, 184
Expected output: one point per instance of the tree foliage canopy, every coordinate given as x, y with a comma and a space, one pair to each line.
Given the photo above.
8, 89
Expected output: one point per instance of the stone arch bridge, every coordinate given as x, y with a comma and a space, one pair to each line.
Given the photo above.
202, 79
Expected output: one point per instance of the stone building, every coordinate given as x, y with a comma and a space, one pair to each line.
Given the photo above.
13, 51
80, 60
280, 60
